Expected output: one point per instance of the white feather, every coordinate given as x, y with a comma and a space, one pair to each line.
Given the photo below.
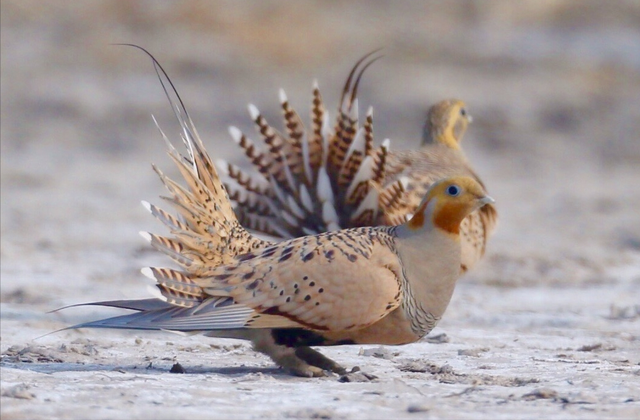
236, 134
283, 96
223, 166
365, 173
306, 198
147, 206
148, 273
325, 192
147, 237
253, 111
370, 202
329, 213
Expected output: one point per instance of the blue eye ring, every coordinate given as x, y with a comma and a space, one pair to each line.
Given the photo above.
453, 190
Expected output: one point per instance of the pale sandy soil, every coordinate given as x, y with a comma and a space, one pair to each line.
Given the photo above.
547, 327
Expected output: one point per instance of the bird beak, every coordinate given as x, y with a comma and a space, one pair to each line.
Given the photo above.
486, 200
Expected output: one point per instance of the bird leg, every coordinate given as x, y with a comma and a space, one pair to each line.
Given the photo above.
286, 357
317, 359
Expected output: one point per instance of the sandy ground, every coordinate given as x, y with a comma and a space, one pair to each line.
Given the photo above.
548, 326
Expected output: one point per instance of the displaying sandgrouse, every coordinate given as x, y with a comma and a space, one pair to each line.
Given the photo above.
363, 285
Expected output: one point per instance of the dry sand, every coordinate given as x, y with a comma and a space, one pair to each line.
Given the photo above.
548, 326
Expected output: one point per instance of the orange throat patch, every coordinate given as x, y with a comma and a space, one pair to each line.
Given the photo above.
448, 218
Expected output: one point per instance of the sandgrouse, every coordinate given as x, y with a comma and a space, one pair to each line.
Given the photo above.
365, 285
323, 180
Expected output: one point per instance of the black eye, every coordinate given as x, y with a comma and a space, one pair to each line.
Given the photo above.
463, 112
453, 190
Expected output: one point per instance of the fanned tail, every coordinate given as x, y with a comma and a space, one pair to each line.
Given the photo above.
318, 180
206, 232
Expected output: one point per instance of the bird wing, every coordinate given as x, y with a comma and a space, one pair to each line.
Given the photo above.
334, 281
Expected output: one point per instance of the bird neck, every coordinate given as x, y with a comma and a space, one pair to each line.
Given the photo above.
431, 259
445, 137
448, 139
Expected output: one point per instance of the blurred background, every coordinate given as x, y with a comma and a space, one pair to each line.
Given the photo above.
553, 87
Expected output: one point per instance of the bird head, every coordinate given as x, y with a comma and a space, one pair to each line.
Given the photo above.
447, 203
446, 123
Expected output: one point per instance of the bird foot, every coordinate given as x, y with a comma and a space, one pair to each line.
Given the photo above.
315, 358
307, 371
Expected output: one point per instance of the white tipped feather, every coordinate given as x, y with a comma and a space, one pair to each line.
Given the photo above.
146, 235
325, 192
147, 206
223, 166
365, 173
404, 181
370, 112
283, 96
236, 134
370, 202
253, 111
329, 213
306, 198
315, 84
148, 272
386, 144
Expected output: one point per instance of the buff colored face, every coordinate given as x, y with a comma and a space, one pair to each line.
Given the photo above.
446, 123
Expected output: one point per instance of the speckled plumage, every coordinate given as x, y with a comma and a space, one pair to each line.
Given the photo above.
325, 180
383, 284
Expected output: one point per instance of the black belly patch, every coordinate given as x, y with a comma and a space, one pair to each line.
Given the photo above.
299, 337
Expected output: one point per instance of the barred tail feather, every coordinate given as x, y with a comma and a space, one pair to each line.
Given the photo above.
317, 180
